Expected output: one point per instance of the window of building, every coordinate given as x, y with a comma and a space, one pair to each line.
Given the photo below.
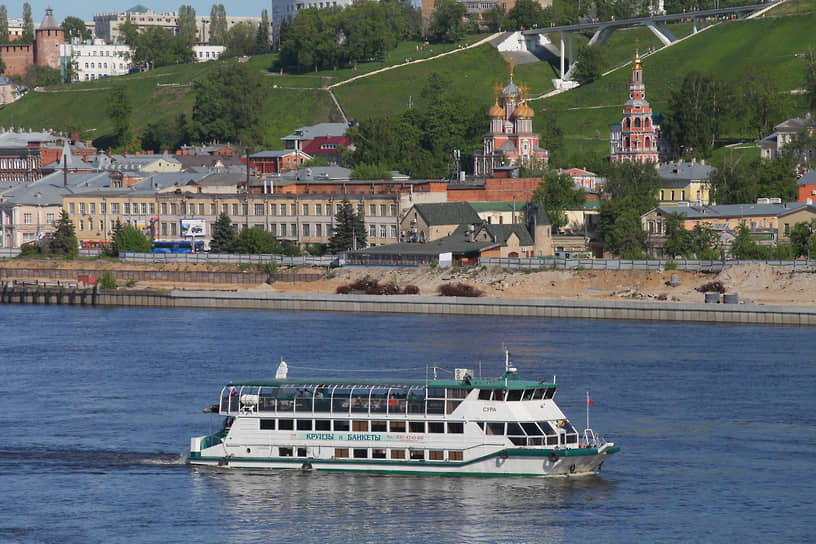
81, 224
273, 209
144, 208
152, 208
283, 229
273, 228
71, 208
225, 209
318, 230
306, 230
164, 208
102, 207
235, 210
92, 208
293, 209
372, 231
101, 225
183, 208
173, 208
201, 208
294, 229
173, 229
318, 209
393, 231
127, 208
28, 219
372, 210
245, 209
213, 209
259, 209
383, 231
305, 209
115, 208
49, 218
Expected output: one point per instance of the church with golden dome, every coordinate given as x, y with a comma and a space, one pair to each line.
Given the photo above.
511, 141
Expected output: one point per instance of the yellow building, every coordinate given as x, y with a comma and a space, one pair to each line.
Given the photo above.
684, 182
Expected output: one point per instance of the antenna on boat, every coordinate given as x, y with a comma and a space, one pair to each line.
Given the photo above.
434, 370
589, 401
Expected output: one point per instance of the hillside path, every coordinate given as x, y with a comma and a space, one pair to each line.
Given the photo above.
395, 66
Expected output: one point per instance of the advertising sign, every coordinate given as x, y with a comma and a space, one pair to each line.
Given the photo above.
193, 227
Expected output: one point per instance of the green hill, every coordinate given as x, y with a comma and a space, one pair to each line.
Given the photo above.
731, 50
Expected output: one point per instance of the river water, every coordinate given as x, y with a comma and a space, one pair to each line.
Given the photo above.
717, 426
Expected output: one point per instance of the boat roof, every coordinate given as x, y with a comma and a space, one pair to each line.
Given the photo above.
513, 382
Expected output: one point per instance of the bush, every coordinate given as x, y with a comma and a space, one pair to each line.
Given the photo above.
410, 290
31, 249
670, 265
107, 281
712, 287
459, 290
371, 286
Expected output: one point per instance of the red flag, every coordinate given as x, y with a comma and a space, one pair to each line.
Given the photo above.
590, 401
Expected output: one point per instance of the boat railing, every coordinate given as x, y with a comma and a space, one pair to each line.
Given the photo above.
592, 440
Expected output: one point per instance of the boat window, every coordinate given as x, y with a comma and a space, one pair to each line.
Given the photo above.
304, 424
396, 400
416, 400
341, 425
527, 394
340, 398
436, 455
451, 406
285, 452
457, 393
549, 393
397, 426
266, 399
378, 454
498, 394
484, 394
286, 425
322, 425
288, 391
436, 393
436, 427
341, 453
514, 429
379, 399
225, 400
495, 428
416, 426
303, 398
514, 395
360, 453
572, 439
436, 406
322, 398
267, 424
455, 456
531, 429
359, 425
417, 455
456, 428
379, 427
397, 454
359, 399
545, 427
480, 424
301, 452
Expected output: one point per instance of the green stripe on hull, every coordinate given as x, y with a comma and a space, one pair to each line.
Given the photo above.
511, 452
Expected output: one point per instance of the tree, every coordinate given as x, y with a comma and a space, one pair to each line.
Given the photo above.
803, 238
632, 188
525, 14
697, 109
349, 230
810, 76
161, 136
551, 136
590, 64
129, 238
494, 18
744, 247
704, 242
64, 241
223, 238
262, 37
677, 237
228, 104
555, 194
734, 181
41, 76
760, 102
218, 24
118, 110
187, 25
802, 147
113, 251
4, 30
256, 240
74, 27
776, 178
446, 20
28, 26
240, 40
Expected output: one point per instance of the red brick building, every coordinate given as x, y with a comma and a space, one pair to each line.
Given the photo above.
43, 52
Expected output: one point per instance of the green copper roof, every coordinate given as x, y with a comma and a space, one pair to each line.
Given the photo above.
513, 382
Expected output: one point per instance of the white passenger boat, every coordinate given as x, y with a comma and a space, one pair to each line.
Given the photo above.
468, 425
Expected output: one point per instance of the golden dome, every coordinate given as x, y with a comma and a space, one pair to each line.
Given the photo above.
636, 63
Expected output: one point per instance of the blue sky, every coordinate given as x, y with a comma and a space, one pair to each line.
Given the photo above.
84, 9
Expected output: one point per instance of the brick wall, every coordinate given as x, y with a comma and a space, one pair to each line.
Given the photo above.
17, 58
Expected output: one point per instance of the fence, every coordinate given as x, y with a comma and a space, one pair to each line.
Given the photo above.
56, 274
553, 263
224, 258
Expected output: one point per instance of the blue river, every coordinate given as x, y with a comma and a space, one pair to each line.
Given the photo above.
717, 426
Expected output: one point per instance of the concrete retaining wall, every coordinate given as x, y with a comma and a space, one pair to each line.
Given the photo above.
408, 304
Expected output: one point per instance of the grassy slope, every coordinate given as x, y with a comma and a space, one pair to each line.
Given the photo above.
731, 50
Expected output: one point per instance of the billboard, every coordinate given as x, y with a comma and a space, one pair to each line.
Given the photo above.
193, 227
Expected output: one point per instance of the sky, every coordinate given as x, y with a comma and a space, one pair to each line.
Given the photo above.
85, 9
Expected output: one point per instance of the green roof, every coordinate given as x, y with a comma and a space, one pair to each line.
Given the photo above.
475, 383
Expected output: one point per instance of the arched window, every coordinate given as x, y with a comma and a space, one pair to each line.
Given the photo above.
626, 123
648, 143
637, 122
626, 143
647, 123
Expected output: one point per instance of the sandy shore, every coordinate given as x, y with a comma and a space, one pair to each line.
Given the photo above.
757, 283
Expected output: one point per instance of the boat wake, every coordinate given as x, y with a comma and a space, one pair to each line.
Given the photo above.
48, 458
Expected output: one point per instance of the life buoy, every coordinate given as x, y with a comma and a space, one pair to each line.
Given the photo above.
504, 454
572, 469
306, 467
553, 457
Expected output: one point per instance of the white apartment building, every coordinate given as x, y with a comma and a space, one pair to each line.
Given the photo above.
204, 52
96, 60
